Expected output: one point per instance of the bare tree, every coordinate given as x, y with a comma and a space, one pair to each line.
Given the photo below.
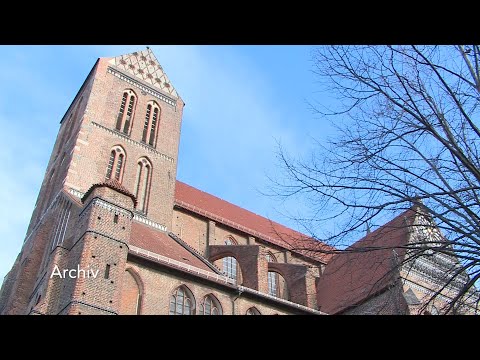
408, 133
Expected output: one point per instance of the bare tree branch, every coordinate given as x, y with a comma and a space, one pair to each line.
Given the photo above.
407, 121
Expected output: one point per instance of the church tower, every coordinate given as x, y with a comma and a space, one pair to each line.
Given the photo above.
114, 161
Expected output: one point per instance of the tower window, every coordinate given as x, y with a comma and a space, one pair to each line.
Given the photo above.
116, 161
110, 164
151, 123
143, 184
125, 113
153, 127
119, 166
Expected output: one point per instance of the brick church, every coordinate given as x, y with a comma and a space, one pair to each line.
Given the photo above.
114, 232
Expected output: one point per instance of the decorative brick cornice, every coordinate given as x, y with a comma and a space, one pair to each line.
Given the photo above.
114, 185
127, 139
136, 216
96, 201
76, 193
130, 80
149, 222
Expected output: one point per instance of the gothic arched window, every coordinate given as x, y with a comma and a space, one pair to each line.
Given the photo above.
152, 118
210, 306
142, 184
229, 262
182, 302
253, 311
116, 164
272, 277
125, 113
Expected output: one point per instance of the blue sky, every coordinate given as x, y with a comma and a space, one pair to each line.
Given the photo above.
239, 100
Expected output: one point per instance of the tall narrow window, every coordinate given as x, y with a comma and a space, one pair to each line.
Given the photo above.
181, 302
151, 121
272, 277
126, 127
110, 164
121, 112
137, 181
119, 166
125, 113
145, 187
210, 306
229, 262
272, 283
116, 163
147, 120
153, 127
142, 185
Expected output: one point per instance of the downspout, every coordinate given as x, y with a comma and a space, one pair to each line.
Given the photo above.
234, 299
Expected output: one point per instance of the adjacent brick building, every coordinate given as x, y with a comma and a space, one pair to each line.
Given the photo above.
111, 206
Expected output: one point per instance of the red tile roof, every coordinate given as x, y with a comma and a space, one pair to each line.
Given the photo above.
112, 184
351, 277
212, 207
160, 243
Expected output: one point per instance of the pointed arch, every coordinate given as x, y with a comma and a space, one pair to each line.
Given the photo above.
126, 111
270, 257
277, 285
253, 311
210, 306
230, 240
143, 183
272, 277
132, 293
182, 301
116, 163
152, 121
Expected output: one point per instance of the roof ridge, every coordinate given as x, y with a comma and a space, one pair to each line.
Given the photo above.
382, 227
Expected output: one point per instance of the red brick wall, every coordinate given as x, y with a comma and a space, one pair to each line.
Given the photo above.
160, 284
79, 159
93, 148
190, 229
130, 294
